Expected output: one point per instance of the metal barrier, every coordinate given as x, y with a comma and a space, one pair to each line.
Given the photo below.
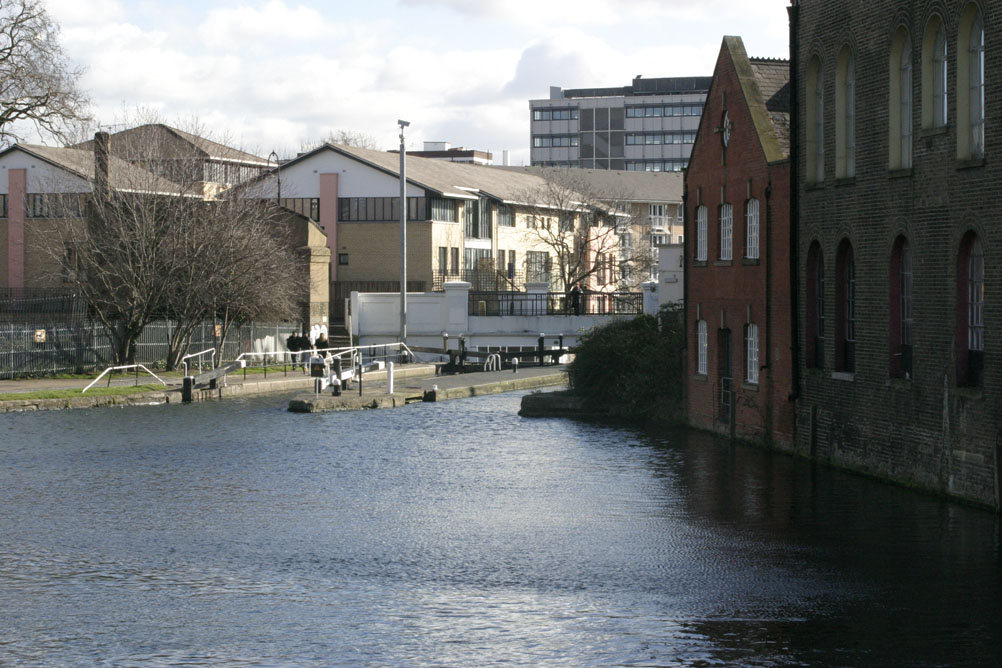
212, 359
493, 362
119, 368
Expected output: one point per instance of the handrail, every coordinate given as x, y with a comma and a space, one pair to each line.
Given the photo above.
212, 359
493, 362
127, 366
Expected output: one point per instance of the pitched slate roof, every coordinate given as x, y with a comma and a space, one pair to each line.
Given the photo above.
621, 186
122, 175
207, 148
765, 84
449, 179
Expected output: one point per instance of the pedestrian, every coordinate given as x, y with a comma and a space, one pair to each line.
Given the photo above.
292, 343
306, 349
322, 343
575, 294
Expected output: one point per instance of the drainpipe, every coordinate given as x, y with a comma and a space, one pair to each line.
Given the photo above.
794, 12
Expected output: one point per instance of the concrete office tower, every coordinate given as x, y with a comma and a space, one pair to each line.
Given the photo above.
647, 126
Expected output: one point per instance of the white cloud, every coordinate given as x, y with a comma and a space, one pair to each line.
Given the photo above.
271, 25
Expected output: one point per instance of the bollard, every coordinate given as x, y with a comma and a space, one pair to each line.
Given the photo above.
514, 365
389, 377
187, 389
337, 377
542, 347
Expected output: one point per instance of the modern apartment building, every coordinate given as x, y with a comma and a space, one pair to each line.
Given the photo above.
649, 125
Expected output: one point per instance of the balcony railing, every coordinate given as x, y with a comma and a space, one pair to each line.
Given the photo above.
555, 303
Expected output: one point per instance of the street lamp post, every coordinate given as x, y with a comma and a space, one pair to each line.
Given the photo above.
278, 173
403, 234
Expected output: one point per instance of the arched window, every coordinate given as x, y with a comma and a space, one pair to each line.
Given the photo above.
815, 307
845, 308
751, 229
845, 114
970, 332
900, 107
701, 347
971, 84
815, 122
701, 233
900, 310
934, 74
726, 232
751, 353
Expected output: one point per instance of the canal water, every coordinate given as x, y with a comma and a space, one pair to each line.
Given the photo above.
458, 534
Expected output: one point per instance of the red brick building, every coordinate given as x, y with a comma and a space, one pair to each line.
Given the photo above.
739, 374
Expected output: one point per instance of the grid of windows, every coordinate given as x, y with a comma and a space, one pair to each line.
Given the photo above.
55, 205
655, 165
537, 266
751, 229
570, 114
726, 231
649, 138
355, 209
976, 84
505, 215
701, 347
939, 78
547, 141
905, 103
306, 206
751, 353
656, 111
701, 234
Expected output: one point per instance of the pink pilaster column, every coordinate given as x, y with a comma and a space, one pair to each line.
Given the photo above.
16, 194
328, 216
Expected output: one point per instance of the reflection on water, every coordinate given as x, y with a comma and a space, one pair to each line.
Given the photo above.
459, 534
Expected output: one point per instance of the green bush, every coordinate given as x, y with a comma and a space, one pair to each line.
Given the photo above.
633, 368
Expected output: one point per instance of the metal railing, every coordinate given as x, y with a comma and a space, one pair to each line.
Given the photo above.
137, 367
554, 303
212, 359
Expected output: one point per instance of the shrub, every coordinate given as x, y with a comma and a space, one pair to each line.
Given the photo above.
632, 368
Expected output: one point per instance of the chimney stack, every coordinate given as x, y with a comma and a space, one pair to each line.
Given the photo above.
102, 157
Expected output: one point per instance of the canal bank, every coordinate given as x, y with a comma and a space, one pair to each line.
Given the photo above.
413, 380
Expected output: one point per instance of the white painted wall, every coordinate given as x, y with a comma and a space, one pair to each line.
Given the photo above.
355, 179
671, 274
376, 319
42, 176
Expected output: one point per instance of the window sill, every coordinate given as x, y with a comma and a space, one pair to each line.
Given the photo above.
844, 181
722, 263
934, 132
700, 376
699, 263
971, 163
751, 387
847, 376
902, 173
750, 261
973, 393
814, 185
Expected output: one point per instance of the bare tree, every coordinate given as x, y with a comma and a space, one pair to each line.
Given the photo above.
37, 82
345, 138
580, 228
152, 247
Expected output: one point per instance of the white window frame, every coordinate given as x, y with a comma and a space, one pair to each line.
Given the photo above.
751, 229
726, 232
905, 102
701, 233
751, 353
939, 87
976, 87
701, 345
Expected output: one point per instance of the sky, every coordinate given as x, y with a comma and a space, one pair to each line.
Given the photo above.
278, 75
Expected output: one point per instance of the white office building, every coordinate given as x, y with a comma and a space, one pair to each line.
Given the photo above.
647, 126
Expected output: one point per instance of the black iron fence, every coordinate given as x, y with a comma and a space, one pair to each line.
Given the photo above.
40, 305
554, 303
483, 280
40, 348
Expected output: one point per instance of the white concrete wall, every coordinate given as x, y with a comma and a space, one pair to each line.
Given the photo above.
42, 177
376, 319
355, 179
670, 274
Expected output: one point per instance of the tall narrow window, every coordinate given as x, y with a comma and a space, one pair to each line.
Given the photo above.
970, 84
701, 233
751, 229
900, 310
726, 232
934, 92
751, 353
815, 122
845, 109
815, 307
970, 331
900, 91
845, 314
701, 347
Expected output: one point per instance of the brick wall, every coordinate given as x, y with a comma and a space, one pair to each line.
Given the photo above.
725, 293
925, 430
